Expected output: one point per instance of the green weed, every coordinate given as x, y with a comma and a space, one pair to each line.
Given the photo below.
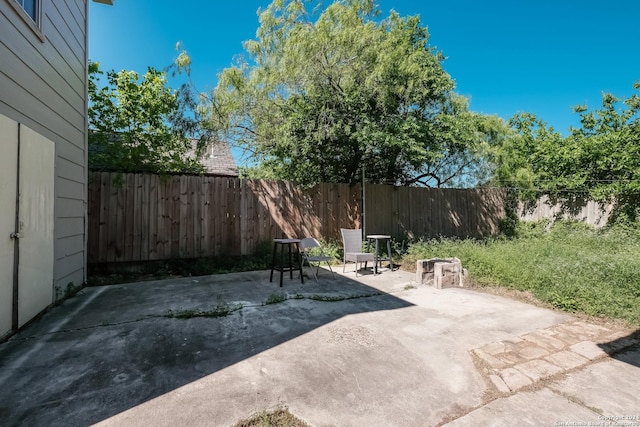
567, 265
276, 298
280, 417
334, 298
221, 310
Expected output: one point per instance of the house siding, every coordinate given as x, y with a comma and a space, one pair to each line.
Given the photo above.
43, 85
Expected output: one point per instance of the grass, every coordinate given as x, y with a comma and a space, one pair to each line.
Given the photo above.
280, 417
569, 266
335, 298
276, 298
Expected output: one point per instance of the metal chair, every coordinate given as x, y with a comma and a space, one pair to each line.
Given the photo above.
311, 251
352, 243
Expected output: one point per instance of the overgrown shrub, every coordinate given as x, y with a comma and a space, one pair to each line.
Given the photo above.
568, 265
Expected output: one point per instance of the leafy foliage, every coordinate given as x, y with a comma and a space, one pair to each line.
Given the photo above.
138, 124
600, 159
328, 93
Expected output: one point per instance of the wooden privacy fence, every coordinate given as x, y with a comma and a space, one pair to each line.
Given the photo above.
141, 217
596, 214
432, 212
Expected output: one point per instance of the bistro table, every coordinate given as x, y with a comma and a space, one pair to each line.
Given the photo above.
289, 264
377, 238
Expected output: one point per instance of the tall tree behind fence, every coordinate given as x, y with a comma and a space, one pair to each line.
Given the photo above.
139, 217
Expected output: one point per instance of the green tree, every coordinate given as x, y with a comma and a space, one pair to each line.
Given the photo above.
600, 159
139, 124
324, 94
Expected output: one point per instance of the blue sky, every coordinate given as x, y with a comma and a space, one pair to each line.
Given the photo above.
538, 56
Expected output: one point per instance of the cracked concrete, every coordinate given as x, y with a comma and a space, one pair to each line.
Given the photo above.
376, 351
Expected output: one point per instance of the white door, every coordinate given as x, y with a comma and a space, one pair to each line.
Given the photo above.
27, 164
35, 267
8, 181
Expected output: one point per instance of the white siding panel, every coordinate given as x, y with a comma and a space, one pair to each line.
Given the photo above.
64, 51
71, 31
69, 208
66, 267
67, 227
68, 247
44, 60
43, 84
71, 153
32, 83
70, 170
44, 113
68, 189
73, 12
63, 276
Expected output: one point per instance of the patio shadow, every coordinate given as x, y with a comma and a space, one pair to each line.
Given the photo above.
113, 348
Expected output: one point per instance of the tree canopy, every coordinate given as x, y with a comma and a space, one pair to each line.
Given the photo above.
139, 124
600, 159
325, 93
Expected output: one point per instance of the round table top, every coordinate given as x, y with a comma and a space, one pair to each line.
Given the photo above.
378, 236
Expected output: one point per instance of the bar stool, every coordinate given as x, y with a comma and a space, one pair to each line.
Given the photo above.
292, 246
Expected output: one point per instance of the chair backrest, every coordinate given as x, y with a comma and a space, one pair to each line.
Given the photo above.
309, 243
351, 240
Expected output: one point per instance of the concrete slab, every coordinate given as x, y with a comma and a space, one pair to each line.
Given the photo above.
376, 351
531, 408
609, 387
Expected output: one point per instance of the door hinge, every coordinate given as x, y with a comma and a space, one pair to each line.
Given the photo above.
15, 235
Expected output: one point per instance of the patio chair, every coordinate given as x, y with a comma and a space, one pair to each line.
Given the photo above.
311, 251
352, 243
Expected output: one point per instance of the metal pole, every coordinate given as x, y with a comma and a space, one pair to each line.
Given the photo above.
364, 204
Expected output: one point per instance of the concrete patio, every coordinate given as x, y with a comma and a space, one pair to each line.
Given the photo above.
367, 351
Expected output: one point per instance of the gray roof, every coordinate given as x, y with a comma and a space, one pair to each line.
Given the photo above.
218, 160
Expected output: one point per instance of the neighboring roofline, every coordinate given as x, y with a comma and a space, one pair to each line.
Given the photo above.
109, 2
218, 160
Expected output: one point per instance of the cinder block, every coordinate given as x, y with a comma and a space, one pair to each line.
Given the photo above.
447, 274
425, 269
